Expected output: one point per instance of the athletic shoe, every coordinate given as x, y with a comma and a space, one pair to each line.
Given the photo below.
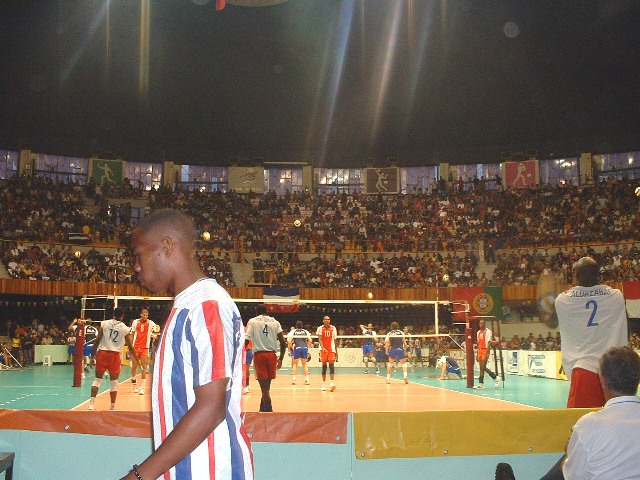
480, 386
366, 371
377, 370
406, 380
293, 381
83, 375
388, 380
141, 391
113, 407
91, 407
135, 388
324, 388
332, 388
245, 390
306, 382
497, 382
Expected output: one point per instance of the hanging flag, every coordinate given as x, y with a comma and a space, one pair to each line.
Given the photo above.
288, 297
481, 300
631, 293
219, 4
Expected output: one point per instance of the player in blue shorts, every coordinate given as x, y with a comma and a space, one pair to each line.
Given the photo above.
395, 345
368, 354
299, 341
447, 365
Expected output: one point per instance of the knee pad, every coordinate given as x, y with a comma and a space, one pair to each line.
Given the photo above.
324, 368
113, 386
332, 368
96, 382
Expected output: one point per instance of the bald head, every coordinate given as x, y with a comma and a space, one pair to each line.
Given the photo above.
587, 272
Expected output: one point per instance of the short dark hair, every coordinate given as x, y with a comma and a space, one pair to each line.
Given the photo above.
587, 272
118, 312
620, 370
261, 309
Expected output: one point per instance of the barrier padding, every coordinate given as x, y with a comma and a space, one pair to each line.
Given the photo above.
381, 435
317, 427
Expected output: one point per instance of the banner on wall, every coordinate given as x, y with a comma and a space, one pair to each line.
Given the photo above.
246, 179
106, 171
521, 174
381, 180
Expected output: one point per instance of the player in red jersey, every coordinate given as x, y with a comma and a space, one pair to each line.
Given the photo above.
327, 334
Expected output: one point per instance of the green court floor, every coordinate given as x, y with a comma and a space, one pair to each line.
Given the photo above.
50, 387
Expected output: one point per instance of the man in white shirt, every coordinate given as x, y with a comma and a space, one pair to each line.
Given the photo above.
606, 444
107, 354
592, 318
265, 332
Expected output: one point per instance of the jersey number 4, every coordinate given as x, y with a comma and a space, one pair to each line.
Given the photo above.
592, 304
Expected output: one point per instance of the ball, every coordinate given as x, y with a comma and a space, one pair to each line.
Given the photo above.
156, 329
370, 295
297, 222
206, 236
77, 253
637, 191
445, 278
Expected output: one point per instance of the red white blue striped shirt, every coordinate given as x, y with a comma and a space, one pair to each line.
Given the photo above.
202, 341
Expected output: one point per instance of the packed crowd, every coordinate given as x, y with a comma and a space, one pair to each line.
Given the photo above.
357, 240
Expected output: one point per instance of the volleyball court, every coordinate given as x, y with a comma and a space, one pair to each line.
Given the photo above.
431, 329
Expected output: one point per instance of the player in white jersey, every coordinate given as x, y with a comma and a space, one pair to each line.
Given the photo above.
395, 345
265, 332
592, 319
197, 377
107, 354
299, 341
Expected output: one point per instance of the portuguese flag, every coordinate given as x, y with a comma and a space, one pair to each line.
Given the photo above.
482, 300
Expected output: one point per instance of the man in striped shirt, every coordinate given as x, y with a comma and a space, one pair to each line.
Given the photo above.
197, 379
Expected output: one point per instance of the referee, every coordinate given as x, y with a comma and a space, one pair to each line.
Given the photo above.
265, 332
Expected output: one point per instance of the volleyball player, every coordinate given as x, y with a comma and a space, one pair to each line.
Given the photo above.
395, 344
592, 318
265, 332
327, 335
107, 354
299, 341
485, 340
142, 330
368, 354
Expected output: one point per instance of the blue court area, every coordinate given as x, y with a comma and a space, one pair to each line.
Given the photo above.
50, 387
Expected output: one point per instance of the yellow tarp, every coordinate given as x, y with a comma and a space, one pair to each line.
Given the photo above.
462, 433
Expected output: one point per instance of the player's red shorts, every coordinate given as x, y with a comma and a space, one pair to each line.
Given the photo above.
585, 390
265, 364
108, 360
142, 352
327, 356
483, 354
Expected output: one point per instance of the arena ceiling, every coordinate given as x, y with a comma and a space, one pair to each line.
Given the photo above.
326, 82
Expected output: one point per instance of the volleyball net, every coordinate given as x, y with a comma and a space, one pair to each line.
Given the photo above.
431, 328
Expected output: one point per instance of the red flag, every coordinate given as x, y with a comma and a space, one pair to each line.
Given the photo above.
219, 4
631, 292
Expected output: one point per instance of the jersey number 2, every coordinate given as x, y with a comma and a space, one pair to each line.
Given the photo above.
592, 304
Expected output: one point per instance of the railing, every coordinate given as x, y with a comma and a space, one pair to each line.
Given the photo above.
517, 293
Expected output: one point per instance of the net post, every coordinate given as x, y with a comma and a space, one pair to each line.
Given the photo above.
78, 354
468, 341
